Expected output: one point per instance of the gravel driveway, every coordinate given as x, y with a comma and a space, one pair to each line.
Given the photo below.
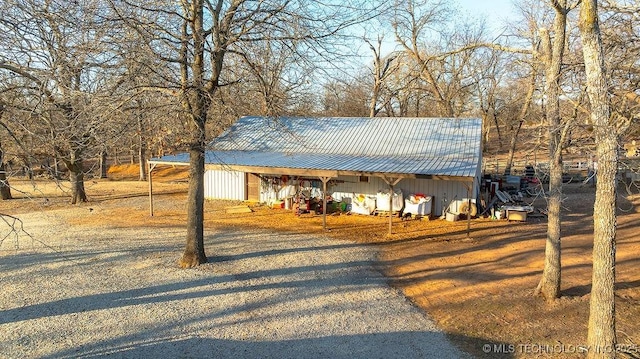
74, 292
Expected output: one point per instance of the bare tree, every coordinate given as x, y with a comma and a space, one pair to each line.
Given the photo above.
619, 28
5, 188
522, 115
527, 68
411, 23
271, 69
60, 51
383, 67
487, 91
601, 337
442, 52
15, 146
196, 39
349, 97
404, 93
552, 55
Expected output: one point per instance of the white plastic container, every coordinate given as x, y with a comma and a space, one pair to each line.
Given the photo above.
362, 204
451, 217
418, 206
382, 201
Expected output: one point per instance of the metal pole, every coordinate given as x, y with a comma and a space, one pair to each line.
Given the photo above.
324, 205
391, 181
469, 209
324, 201
150, 167
390, 207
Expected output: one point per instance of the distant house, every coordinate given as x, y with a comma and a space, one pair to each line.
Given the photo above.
260, 158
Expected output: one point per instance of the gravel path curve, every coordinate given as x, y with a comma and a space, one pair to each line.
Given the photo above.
108, 291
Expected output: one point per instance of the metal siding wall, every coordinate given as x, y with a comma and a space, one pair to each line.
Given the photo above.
441, 190
477, 179
224, 185
352, 185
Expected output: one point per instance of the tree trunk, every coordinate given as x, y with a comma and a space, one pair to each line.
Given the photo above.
512, 148
381, 68
492, 113
76, 178
197, 101
523, 114
601, 337
549, 286
56, 168
142, 151
5, 189
103, 164
143, 164
602, 333
194, 253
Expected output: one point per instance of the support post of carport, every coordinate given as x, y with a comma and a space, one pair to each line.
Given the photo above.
151, 166
469, 215
324, 201
469, 186
391, 181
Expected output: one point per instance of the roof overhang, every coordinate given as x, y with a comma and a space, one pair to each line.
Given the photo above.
274, 170
167, 163
310, 172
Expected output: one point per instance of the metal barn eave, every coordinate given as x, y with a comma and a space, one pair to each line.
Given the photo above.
316, 172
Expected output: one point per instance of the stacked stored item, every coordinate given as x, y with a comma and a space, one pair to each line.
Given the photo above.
363, 204
418, 205
382, 201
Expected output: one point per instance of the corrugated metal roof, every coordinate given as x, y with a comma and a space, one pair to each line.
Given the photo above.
422, 146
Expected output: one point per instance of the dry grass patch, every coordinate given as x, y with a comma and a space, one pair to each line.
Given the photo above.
43, 194
132, 172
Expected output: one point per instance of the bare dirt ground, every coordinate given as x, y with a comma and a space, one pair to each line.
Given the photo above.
478, 289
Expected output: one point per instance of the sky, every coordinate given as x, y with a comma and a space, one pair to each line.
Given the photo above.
487, 7
495, 11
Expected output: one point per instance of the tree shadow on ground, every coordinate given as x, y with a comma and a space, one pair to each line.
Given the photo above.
580, 290
405, 345
213, 332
